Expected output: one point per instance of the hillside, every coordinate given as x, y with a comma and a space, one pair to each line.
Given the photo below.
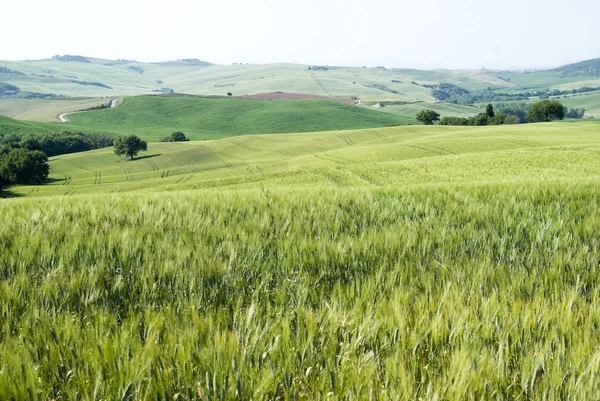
450, 263
154, 117
12, 126
397, 156
98, 78
587, 68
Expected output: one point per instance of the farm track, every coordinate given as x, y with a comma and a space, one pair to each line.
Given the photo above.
62, 116
312, 75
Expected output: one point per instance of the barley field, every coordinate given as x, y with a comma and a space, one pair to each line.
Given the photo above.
465, 269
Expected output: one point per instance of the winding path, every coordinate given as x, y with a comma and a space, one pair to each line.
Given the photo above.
62, 119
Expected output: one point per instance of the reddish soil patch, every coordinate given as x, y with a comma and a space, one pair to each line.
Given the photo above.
301, 96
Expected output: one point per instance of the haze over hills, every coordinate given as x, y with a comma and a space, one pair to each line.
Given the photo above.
83, 80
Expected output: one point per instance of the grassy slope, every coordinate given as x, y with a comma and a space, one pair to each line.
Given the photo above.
445, 109
400, 263
52, 76
44, 110
395, 156
11, 126
155, 117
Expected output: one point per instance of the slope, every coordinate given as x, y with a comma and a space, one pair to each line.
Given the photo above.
396, 156
154, 117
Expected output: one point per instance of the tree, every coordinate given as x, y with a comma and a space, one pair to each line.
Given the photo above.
428, 116
22, 166
129, 145
489, 111
546, 110
229, 94
175, 137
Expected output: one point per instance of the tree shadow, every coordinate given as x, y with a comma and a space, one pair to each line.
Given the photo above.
52, 180
144, 157
4, 194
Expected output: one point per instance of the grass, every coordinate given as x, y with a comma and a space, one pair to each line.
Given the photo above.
154, 117
11, 126
397, 156
445, 109
44, 110
451, 263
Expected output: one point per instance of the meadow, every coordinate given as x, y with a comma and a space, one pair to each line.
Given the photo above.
154, 117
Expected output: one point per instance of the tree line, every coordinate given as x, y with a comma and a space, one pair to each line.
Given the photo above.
506, 113
451, 93
24, 157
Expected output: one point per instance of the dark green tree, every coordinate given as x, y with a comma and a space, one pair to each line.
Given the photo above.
175, 137
22, 166
229, 94
489, 111
129, 145
545, 111
428, 116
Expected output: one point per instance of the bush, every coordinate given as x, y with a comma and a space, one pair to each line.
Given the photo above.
175, 137
22, 166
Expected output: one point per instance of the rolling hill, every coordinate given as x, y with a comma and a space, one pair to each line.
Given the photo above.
154, 117
396, 156
455, 263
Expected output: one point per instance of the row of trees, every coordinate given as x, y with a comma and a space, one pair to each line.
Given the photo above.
510, 113
24, 158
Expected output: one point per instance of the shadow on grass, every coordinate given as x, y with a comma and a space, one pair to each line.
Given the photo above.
143, 157
4, 194
53, 180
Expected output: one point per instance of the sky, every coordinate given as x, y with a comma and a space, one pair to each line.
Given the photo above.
429, 34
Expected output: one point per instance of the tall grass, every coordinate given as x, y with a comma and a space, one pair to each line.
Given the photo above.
450, 293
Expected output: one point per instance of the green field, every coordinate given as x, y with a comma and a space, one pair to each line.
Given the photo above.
443, 108
44, 110
82, 82
450, 263
154, 117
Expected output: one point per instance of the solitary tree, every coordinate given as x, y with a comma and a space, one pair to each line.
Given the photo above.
22, 166
229, 94
546, 110
489, 111
129, 145
428, 116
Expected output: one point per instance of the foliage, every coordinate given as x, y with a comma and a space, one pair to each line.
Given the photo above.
489, 110
23, 166
129, 145
136, 68
53, 144
584, 68
175, 137
574, 112
428, 116
69, 57
7, 89
545, 111
150, 117
5, 70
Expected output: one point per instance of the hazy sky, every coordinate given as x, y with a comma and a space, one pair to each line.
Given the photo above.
418, 33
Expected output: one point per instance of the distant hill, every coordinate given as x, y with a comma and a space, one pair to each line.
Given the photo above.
587, 68
154, 117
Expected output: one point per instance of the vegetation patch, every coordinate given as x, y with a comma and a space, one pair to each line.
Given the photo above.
73, 58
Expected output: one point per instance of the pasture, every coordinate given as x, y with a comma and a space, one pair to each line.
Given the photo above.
154, 117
